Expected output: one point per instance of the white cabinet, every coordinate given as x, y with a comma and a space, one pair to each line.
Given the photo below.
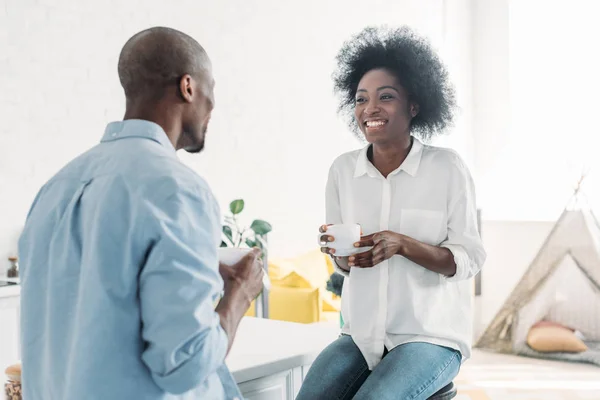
282, 386
9, 326
270, 359
274, 387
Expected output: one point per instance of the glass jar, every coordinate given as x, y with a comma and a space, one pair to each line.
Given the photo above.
12, 387
13, 270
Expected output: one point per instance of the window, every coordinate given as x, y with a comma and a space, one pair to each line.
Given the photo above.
554, 50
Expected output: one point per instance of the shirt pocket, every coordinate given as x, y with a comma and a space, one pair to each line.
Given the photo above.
426, 226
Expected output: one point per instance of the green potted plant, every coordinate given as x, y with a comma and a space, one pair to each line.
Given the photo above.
334, 285
235, 235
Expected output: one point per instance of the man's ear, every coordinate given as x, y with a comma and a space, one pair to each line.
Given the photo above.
186, 88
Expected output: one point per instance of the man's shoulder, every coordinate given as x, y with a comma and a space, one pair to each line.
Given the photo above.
175, 179
149, 172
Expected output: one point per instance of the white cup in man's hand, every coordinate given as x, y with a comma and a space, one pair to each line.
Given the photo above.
232, 255
344, 236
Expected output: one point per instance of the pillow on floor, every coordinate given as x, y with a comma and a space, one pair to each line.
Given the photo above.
553, 338
544, 323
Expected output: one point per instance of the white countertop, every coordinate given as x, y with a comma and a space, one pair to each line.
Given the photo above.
10, 291
264, 347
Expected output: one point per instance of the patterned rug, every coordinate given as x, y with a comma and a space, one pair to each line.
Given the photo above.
489, 376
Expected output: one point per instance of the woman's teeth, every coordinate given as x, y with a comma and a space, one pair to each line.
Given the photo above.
373, 124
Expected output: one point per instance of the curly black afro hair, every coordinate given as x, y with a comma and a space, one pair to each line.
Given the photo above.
414, 63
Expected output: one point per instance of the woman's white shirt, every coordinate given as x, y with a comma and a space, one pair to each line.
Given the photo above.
431, 198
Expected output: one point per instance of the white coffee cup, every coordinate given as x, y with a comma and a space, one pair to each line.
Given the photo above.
344, 235
232, 255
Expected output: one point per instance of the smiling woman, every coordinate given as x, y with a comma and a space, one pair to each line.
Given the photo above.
415, 73
406, 300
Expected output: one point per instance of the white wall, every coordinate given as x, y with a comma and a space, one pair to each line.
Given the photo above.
535, 105
511, 246
491, 98
274, 131
520, 162
554, 104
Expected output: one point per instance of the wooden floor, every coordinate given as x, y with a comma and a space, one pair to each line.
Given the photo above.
489, 376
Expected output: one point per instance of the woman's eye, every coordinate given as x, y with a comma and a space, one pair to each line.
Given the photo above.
360, 100
386, 97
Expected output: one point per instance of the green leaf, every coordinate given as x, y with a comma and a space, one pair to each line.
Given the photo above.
261, 227
236, 206
250, 243
228, 233
223, 244
260, 241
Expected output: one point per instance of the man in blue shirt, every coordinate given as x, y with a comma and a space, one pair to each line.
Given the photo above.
119, 252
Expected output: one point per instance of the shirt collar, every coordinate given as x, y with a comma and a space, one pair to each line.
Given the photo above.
137, 128
410, 165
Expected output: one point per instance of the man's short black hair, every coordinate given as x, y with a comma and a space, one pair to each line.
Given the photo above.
158, 57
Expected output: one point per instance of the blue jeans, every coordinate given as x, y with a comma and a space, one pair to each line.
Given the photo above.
412, 371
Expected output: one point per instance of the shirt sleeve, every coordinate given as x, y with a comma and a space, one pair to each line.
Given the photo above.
333, 214
463, 238
178, 287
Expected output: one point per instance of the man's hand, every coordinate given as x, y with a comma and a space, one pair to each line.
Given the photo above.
243, 283
385, 245
246, 275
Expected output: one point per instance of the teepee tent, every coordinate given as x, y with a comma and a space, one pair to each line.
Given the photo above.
561, 284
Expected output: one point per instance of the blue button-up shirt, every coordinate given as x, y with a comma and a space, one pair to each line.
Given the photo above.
120, 277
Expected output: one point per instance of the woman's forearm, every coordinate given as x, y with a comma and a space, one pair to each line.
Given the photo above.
433, 258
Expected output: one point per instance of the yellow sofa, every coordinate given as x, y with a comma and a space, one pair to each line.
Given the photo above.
298, 291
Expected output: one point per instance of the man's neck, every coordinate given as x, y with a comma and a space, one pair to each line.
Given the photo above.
157, 113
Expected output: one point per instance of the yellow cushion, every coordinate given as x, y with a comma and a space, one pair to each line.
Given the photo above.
298, 288
331, 302
313, 266
279, 268
293, 280
549, 339
295, 304
292, 304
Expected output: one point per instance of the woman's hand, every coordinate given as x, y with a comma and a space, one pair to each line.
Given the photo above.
341, 262
385, 245
324, 239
